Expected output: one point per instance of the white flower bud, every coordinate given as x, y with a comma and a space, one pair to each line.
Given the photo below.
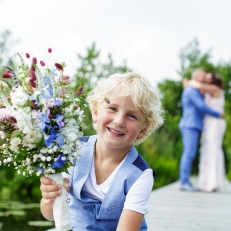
38, 173
55, 148
48, 158
43, 158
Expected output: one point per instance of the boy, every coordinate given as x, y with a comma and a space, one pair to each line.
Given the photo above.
110, 184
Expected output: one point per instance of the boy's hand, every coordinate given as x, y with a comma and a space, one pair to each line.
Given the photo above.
66, 184
49, 190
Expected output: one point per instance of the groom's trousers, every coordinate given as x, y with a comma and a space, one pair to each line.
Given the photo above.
190, 139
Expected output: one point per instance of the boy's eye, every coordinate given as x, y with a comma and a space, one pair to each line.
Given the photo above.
112, 108
131, 116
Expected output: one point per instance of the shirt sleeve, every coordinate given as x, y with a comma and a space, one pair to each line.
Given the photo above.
138, 196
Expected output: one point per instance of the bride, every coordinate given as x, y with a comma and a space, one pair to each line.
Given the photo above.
211, 165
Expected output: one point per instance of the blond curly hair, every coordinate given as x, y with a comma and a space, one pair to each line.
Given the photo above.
139, 89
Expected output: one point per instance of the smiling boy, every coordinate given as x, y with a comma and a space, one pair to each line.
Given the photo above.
110, 184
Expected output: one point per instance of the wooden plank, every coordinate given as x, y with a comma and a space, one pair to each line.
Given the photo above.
174, 210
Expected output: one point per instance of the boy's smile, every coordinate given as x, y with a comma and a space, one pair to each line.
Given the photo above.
119, 122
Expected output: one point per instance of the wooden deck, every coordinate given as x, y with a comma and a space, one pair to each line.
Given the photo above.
174, 210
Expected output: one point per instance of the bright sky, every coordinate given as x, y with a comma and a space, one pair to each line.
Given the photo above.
147, 33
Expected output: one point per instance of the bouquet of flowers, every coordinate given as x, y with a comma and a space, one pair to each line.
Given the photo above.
41, 120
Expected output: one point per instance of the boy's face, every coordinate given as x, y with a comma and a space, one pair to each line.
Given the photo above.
119, 123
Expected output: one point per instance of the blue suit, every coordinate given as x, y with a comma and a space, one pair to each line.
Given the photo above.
191, 124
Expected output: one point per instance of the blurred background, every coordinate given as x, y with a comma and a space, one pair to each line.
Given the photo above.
163, 40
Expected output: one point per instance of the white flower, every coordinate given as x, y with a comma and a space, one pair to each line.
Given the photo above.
18, 97
2, 134
39, 173
63, 158
24, 120
43, 150
31, 138
35, 156
71, 136
14, 143
48, 158
43, 158
55, 148
34, 114
3, 85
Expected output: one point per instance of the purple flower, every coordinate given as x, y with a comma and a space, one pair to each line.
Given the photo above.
33, 75
32, 83
7, 75
42, 63
79, 92
34, 60
59, 66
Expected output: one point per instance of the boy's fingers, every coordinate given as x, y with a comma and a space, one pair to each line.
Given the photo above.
48, 201
50, 188
66, 184
46, 180
51, 195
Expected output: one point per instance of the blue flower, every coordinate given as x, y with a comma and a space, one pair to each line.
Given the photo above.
61, 160
43, 117
53, 71
34, 98
40, 169
49, 139
48, 83
59, 119
57, 102
59, 140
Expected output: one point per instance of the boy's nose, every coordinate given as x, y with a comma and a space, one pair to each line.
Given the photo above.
119, 121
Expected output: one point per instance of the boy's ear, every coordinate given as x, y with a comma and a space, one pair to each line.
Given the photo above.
94, 114
143, 132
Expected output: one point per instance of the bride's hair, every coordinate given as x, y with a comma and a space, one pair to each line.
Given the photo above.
217, 80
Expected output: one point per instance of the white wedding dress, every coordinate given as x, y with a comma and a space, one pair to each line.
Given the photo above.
212, 166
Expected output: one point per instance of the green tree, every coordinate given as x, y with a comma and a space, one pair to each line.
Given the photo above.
7, 44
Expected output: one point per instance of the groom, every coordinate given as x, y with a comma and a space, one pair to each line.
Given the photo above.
191, 125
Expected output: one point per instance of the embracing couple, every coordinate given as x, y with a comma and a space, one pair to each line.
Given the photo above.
203, 111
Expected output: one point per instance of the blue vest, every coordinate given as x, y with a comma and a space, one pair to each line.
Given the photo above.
91, 214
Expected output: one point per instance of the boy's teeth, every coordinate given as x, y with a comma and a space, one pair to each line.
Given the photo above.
117, 133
